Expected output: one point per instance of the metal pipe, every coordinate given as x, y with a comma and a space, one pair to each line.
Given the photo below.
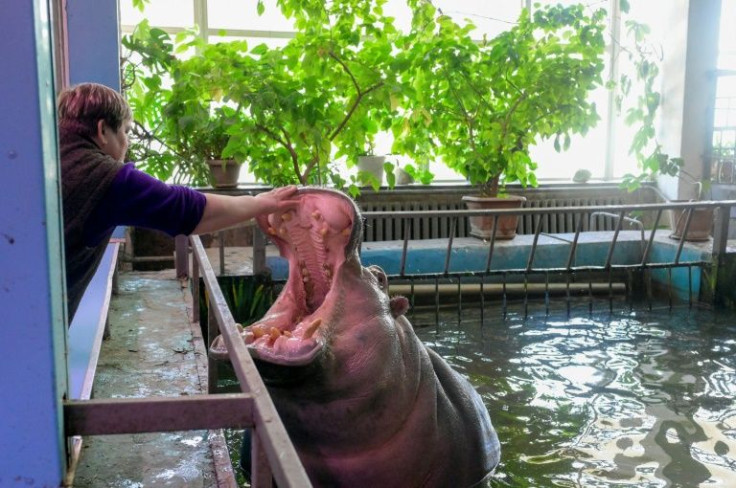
689, 217
574, 245
105, 416
641, 207
650, 242
404, 248
619, 223
448, 254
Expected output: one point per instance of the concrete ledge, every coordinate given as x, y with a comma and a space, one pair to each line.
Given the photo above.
470, 255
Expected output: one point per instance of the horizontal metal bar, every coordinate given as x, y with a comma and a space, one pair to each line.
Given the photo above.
549, 210
157, 414
577, 269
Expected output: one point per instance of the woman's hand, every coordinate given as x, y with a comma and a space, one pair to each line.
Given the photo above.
276, 199
223, 211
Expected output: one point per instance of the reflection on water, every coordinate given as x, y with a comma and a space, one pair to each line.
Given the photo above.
635, 399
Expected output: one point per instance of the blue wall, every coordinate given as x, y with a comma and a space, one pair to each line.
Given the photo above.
33, 377
33, 346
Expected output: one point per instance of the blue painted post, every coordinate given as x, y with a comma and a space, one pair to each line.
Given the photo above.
32, 343
93, 33
93, 42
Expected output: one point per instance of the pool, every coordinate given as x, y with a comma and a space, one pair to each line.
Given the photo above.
634, 398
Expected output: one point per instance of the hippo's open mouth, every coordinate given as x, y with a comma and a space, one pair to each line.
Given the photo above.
315, 237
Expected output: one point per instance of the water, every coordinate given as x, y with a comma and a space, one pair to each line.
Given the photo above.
641, 399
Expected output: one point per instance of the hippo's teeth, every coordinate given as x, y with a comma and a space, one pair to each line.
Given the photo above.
347, 230
309, 331
316, 215
275, 333
258, 331
272, 231
286, 216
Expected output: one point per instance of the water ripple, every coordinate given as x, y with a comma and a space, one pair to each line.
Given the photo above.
637, 399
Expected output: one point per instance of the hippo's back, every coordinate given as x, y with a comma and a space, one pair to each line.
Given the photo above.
472, 441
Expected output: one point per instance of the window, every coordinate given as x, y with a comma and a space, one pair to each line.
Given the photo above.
603, 151
724, 114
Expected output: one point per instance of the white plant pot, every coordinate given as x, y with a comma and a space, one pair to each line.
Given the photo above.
372, 165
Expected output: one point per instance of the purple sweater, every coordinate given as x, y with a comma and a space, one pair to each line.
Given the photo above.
137, 199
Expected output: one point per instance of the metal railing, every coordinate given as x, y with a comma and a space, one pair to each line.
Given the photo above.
273, 455
582, 216
272, 452
606, 269
617, 212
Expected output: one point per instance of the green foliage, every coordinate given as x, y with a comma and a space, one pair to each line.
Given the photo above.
289, 111
347, 75
247, 297
639, 99
182, 115
479, 106
140, 4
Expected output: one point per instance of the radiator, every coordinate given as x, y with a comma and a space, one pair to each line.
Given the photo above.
389, 228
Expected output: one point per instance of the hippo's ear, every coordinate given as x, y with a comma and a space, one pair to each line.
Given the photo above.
380, 276
399, 305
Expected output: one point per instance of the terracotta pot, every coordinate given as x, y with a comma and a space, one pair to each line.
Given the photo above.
225, 172
700, 227
482, 226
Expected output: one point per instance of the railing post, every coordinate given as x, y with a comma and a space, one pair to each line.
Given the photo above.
221, 250
261, 475
195, 288
259, 251
181, 256
720, 232
212, 331
722, 286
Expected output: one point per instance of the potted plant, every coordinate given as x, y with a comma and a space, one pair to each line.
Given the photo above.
183, 118
321, 98
479, 106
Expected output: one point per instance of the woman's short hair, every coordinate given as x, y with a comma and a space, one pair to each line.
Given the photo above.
81, 106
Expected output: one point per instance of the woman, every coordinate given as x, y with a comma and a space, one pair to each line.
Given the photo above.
100, 192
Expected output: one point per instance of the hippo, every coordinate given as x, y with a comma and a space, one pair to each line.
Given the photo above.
364, 401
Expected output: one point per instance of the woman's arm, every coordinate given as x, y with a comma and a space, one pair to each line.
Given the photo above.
222, 211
